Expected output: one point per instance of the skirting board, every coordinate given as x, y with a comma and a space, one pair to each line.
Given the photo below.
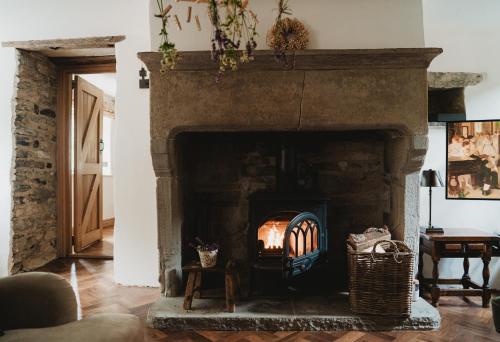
108, 223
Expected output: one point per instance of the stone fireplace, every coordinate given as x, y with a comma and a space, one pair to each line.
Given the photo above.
358, 117
357, 121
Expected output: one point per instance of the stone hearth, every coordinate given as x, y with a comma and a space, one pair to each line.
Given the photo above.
337, 92
306, 313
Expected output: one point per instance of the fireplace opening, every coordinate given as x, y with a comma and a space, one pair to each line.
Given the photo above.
244, 190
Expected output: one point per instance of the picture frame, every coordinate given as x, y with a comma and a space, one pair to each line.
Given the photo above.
473, 160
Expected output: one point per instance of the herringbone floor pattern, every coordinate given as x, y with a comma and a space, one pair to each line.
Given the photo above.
463, 320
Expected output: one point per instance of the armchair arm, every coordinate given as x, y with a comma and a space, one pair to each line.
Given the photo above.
36, 300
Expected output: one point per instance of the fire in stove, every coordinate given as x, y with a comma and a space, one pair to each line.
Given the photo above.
274, 238
271, 235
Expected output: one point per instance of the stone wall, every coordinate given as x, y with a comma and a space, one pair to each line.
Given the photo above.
34, 176
221, 170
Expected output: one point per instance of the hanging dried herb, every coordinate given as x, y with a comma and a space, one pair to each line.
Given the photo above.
287, 34
233, 28
167, 48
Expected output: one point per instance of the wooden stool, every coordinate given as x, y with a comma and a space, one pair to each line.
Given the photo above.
194, 283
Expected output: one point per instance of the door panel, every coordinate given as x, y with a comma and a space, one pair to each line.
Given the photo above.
88, 169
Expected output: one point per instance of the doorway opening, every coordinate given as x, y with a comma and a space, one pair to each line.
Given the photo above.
86, 126
92, 136
45, 167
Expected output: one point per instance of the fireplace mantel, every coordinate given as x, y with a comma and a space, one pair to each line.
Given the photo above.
308, 59
318, 90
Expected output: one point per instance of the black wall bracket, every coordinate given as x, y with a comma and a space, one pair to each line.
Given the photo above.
143, 82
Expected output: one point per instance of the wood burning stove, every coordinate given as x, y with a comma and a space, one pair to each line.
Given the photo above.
296, 239
287, 232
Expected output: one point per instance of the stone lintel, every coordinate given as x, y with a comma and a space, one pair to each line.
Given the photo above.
73, 47
71, 43
450, 80
308, 59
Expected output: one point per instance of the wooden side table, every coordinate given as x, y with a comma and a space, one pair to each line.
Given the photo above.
457, 243
194, 283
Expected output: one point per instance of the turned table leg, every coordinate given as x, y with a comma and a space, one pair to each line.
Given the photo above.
466, 277
486, 276
435, 277
420, 273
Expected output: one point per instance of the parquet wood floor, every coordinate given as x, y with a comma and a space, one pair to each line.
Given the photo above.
463, 320
103, 248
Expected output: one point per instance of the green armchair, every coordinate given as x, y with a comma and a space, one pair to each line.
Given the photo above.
39, 306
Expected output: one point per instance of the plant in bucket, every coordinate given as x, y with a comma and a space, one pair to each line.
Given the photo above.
207, 252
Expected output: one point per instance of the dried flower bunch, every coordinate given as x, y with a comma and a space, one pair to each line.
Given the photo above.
199, 245
287, 34
233, 27
167, 48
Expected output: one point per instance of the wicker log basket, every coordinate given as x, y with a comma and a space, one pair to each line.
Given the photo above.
381, 283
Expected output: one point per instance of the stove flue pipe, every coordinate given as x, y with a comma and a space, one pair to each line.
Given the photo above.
286, 177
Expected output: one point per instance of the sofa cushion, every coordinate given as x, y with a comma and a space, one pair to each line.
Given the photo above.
97, 328
36, 300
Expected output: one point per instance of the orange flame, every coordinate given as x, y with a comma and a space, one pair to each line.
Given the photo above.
272, 234
274, 238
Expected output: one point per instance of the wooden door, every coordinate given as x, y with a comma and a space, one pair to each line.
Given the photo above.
88, 169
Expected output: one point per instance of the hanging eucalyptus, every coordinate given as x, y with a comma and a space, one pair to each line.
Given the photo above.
167, 48
233, 24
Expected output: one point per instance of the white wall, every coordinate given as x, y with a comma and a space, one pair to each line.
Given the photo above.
468, 33
331, 23
109, 137
135, 242
108, 206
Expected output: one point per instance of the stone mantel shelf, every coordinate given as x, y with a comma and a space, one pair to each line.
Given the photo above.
339, 59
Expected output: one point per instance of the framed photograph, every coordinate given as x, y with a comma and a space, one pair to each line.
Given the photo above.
473, 160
